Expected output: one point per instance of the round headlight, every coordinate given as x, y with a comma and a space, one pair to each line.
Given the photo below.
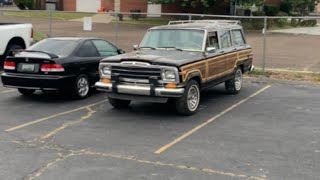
169, 74
106, 70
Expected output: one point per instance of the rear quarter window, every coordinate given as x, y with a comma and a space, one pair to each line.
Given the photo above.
237, 37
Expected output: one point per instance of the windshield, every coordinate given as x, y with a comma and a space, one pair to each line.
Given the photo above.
57, 47
184, 39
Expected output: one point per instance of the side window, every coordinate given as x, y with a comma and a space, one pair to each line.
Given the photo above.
237, 37
88, 50
105, 48
225, 38
213, 40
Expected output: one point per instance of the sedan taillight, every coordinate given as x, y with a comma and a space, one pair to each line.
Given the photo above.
52, 68
9, 65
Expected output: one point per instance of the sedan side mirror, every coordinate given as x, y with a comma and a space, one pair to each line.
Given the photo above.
120, 51
135, 47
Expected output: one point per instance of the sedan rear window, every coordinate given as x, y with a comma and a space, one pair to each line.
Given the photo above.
58, 47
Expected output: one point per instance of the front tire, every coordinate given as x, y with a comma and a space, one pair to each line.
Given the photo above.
81, 87
119, 103
234, 85
188, 103
26, 92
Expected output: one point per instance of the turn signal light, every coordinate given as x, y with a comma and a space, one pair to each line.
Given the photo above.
9, 65
170, 85
52, 68
105, 80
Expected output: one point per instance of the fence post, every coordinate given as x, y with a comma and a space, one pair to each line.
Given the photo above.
264, 31
116, 28
50, 23
190, 18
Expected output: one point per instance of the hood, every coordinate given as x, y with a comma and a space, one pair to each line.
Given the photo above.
158, 57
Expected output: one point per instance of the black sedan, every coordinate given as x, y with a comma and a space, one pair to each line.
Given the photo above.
66, 64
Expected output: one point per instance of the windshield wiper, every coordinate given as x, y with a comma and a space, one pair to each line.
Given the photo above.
171, 47
43, 52
147, 47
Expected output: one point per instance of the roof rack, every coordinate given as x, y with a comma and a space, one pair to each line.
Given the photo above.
205, 21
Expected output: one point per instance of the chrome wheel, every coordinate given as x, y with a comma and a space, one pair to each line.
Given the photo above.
193, 98
238, 80
83, 86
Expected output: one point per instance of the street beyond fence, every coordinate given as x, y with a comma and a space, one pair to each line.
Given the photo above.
289, 43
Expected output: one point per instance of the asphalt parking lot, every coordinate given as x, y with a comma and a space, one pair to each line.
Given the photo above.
271, 130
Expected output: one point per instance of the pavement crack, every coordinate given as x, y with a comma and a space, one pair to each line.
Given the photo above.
89, 113
175, 166
38, 172
64, 153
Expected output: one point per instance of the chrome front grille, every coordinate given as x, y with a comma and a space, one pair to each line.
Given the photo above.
136, 74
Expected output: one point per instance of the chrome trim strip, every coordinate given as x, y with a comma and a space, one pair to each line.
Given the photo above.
32, 76
140, 90
34, 88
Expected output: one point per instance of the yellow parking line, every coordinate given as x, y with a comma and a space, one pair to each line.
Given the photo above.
52, 116
185, 135
3, 92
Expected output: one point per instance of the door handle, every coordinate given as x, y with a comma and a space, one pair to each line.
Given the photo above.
222, 51
234, 48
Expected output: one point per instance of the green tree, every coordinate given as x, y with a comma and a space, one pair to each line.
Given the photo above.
299, 7
249, 3
24, 4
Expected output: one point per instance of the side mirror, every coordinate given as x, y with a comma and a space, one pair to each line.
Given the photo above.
211, 49
120, 51
135, 47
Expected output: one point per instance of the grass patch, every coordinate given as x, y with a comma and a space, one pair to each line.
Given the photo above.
37, 36
286, 75
256, 72
46, 14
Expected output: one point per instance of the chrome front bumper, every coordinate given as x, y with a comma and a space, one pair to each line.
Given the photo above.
140, 90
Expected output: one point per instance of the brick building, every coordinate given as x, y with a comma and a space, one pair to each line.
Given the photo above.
48, 4
92, 5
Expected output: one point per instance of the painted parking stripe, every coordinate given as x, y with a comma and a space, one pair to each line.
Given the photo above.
53, 116
8, 91
195, 129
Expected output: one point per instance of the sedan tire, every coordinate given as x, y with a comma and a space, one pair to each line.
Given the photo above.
81, 87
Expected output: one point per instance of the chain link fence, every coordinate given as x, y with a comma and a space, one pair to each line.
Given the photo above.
289, 43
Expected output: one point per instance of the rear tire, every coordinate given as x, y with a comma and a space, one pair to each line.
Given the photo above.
189, 102
81, 87
234, 85
26, 92
119, 103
